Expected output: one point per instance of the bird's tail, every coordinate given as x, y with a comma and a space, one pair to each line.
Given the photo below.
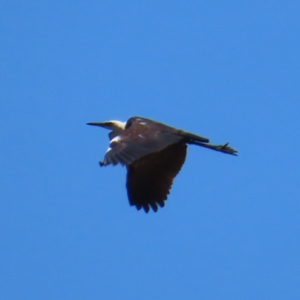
193, 137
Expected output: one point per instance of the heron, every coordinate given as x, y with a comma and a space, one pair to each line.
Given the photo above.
153, 154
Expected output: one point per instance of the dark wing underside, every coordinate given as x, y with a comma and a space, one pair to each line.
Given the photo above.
139, 140
143, 137
150, 178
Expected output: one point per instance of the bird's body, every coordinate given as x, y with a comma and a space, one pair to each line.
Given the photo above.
153, 154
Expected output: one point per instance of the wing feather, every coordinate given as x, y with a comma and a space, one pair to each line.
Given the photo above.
142, 137
149, 179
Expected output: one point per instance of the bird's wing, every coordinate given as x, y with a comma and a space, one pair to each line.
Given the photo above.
142, 137
149, 179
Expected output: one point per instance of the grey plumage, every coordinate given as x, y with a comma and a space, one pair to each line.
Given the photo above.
153, 154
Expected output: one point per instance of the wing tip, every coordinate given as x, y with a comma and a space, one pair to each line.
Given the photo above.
147, 207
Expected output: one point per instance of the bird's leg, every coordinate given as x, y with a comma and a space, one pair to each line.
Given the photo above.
222, 148
101, 163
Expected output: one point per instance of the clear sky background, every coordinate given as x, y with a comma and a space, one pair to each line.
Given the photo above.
227, 70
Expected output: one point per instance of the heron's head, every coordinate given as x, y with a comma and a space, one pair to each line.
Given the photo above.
115, 126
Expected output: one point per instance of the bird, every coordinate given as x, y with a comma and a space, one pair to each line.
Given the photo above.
153, 154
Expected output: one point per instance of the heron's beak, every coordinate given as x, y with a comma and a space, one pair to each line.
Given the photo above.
101, 124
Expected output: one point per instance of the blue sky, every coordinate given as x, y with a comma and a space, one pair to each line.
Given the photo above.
226, 70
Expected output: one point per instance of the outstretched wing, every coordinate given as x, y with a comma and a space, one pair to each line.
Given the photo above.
140, 138
149, 179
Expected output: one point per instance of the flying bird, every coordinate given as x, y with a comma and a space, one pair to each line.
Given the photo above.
153, 154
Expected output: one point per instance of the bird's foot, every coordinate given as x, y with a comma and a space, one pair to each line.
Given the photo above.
226, 149
101, 163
